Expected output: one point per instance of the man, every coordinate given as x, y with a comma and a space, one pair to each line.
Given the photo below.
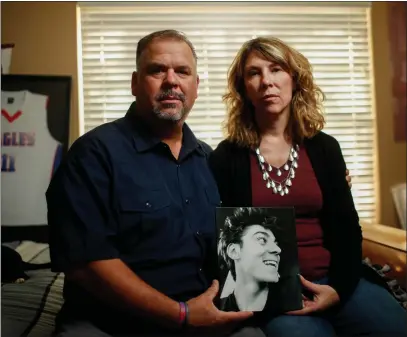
131, 213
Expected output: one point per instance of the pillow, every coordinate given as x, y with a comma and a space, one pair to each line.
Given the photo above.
34, 252
378, 275
26, 256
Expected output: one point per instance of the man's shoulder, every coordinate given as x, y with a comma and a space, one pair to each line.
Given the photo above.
104, 131
98, 137
206, 148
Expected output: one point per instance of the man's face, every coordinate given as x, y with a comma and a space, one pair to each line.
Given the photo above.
258, 256
166, 82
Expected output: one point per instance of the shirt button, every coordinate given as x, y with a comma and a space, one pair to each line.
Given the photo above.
148, 205
200, 269
198, 233
187, 201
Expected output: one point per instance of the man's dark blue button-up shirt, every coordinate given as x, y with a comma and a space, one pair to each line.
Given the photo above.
122, 194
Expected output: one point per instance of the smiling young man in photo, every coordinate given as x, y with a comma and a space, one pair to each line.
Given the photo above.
250, 250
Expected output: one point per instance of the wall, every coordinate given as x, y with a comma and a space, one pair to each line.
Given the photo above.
45, 39
44, 34
391, 155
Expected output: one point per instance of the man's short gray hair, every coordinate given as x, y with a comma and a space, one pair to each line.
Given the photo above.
162, 34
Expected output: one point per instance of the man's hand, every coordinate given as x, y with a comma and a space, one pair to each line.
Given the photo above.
324, 297
204, 315
348, 178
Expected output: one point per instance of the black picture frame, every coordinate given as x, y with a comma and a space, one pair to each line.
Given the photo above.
58, 89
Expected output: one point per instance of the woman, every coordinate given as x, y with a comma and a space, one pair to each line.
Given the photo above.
275, 154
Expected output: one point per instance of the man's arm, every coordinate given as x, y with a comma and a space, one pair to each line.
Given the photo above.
82, 232
82, 229
113, 282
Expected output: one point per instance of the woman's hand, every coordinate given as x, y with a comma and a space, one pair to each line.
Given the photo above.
348, 178
324, 298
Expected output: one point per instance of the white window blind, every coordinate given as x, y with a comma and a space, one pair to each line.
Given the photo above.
335, 38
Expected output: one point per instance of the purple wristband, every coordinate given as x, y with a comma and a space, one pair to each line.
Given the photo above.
183, 313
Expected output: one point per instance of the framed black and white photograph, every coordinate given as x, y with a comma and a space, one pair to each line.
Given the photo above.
35, 113
258, 259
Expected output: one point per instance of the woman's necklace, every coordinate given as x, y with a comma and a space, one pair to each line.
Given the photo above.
280, 187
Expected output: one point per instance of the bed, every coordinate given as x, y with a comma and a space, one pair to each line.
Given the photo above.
29, 309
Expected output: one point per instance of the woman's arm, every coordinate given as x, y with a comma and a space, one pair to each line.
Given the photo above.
218, 160
341, 224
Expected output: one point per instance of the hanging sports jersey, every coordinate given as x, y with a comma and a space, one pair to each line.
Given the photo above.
29, 157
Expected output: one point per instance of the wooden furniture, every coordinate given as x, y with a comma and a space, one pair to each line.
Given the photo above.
386, 245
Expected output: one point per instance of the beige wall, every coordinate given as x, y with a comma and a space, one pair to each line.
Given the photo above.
391, 155
44, 34
45, 39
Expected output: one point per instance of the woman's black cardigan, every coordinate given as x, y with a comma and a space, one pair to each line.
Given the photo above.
342, 233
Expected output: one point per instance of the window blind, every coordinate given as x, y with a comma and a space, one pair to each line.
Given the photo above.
334, 37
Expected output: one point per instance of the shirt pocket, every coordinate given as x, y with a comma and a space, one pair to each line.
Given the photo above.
144, 213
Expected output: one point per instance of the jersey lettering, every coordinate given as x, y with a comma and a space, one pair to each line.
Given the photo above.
7, 163
28, 158
18, 139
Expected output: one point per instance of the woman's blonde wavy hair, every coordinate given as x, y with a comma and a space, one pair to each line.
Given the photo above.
306, 116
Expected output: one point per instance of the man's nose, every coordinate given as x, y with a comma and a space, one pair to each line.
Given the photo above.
171, 78
273, 248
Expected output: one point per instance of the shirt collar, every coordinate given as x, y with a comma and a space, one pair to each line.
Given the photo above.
145, 141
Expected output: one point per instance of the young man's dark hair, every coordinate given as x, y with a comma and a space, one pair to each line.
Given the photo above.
234, 229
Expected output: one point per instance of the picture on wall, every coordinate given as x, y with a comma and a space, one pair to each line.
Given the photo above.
34, 139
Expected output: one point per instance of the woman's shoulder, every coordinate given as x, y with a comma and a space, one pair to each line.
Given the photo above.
322, 139
226, 143
225, 147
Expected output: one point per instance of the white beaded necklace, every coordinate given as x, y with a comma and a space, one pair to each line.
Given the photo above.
280, 187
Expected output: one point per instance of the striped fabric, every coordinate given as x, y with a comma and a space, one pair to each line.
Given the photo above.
29, 309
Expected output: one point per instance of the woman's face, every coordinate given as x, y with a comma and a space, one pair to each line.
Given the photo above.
258, 256
268, 87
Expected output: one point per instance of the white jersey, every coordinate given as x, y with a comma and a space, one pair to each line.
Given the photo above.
28, 159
